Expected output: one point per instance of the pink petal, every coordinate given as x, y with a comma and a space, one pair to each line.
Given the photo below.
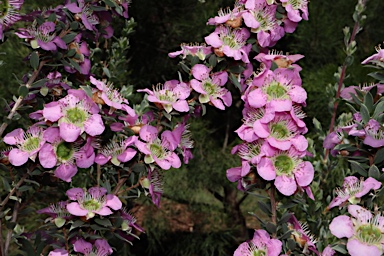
10, 138
200, 72
84, 161
101, 159
266, 169
359, 212
65, 172
342, 226
47, 156
234, 174
52, 111
75, 193
357, 248
75, 209
113, 202
181, 106
304, 175
298, 94
18, 157
127, 155
94, 125
286, 185
261, 130
257, 98
82, 246
69, 132
214, 40
104, 211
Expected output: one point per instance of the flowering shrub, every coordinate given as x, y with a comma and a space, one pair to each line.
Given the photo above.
103, 149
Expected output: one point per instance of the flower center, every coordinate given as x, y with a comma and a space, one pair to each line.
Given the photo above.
64, 151
209, 87
31, 144
157, 150
275, 90
76, 115
166, 95
280, 130
284, 164
298, 4
91, 205
369, 233
256, 251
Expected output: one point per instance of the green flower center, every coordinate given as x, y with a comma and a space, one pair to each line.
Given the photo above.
64, 151
284, 164
297, 4
91, 205
369, 233
76, 115
167, 96
280, 130
258, 253
157, 150
209, 87
231, 41
276, 91
31, 144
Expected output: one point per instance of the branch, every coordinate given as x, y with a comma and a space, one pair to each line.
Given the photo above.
20, 99
9, 231
216, 195
16, 187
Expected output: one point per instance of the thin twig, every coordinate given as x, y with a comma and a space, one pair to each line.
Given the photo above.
20, 99
10, 231
272, 193
21, 181
1, 239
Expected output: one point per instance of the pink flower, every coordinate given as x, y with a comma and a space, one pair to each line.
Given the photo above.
277, 90
57, 212
296, 9
158, 150
229, 17
67, 156
281, 60
111, 96
288, 171
353, 189
261, 19
328, 251
378, 57
261, 244
92, 202
230, 42
99, 248
374, 134
28, 144
58, 252
172, 95
210, 86
302, 235
76, 113
117, 152
363, 230
83, 11
9, 14
43, 36
129, 222
201, 51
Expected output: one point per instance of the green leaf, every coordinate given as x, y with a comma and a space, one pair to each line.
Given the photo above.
23, 90
379, 156
103, 222
264, 207
212, 60
379, 109
69, 37
374, 172
377, 75
109, 3
284, 218
368, 101
271, 228
185, 67
97, 227
235, 82
364, 113
87, 90
106, 72
27, 247
349, 60
34, 60
356, 167
39, 83
75, 65
76, 224
44, 91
